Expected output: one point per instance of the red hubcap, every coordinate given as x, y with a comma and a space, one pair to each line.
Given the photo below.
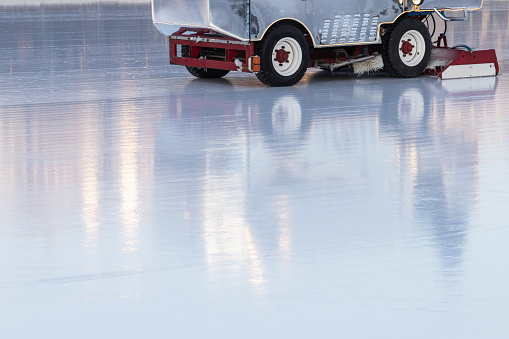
406, 47
282, 55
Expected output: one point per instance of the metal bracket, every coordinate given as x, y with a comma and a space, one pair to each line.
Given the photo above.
443, 17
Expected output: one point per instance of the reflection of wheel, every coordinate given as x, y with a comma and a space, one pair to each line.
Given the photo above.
411, 106
406, 48
284, 56
207, 73
412, 112
286, 116
283, 120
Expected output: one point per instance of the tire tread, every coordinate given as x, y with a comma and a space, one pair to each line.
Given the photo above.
264, 49
390, 42
204, 73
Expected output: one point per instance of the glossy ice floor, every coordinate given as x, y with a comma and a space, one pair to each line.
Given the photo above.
139, 202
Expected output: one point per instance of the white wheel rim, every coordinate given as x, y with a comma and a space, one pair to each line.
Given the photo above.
412, 48
286, 56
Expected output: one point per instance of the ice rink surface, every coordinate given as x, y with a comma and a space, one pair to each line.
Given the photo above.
140, 202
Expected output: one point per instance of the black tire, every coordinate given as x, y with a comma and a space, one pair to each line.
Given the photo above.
406, 48
280, 69
205, 73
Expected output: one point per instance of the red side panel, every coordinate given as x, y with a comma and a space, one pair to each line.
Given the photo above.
468, 64
231, 55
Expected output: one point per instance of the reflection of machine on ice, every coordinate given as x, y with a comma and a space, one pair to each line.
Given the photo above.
240, 156
439, 159
224, 144
279, 40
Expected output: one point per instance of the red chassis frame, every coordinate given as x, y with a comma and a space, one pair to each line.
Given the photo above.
236, 55
241, 51
199, 38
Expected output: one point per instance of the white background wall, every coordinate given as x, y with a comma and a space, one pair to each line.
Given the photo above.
37, 2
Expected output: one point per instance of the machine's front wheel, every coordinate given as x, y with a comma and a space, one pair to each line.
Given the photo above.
284, 56
206, 73
406, 48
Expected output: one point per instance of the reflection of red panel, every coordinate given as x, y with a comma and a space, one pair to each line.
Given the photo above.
196, 106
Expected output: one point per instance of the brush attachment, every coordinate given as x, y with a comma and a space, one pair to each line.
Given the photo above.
368, 66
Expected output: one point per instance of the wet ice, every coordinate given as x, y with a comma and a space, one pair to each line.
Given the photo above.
139, 201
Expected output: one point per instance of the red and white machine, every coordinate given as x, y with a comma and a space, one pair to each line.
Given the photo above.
278, 41
461, 61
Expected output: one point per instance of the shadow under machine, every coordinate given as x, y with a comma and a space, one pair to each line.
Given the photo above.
279, 40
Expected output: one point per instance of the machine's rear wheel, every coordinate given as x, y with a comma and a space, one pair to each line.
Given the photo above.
206, 73
284, 56
406, 48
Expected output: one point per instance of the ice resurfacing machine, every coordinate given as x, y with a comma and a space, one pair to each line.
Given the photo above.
279, 40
